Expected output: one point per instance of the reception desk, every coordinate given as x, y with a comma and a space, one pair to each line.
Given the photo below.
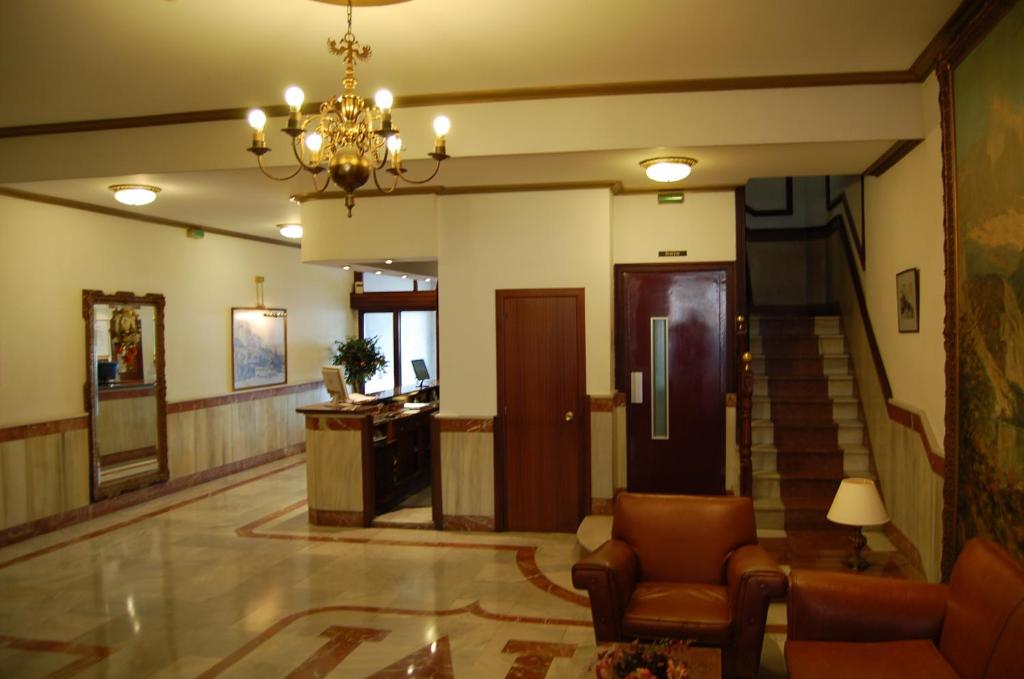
362, 462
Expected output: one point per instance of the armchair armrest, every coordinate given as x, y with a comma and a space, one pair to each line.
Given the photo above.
827, 606
608, 574
753, 578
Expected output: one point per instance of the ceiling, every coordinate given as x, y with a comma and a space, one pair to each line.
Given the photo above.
100, 59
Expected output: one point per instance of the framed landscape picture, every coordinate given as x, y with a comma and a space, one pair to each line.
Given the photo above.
908, 299
981, 94
259, 347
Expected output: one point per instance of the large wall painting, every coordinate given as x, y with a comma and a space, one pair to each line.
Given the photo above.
982, 90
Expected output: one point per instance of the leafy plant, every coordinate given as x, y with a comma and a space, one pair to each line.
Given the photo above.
361, 358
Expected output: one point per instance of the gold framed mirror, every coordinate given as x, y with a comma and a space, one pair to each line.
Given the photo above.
125, 391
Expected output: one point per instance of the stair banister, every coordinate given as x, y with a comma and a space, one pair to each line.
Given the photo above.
744, 411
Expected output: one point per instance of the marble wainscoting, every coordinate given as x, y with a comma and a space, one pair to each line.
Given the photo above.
467, 472
208, 433
334, 470
909, 465
44, 470
602, 454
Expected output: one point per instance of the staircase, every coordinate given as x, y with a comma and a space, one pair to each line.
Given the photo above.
807, 432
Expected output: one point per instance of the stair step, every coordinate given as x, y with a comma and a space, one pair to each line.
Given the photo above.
840, 408
855, 460
801, 366
803, 387
823, 344
795, 326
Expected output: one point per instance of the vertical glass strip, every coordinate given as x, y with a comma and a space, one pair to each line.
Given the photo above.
659, 378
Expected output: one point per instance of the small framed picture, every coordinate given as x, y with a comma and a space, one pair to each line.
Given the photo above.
907, 301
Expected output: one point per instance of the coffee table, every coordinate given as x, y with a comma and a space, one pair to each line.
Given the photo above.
702, 662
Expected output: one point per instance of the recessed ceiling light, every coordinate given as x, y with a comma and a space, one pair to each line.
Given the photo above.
404, 276
668, 169
389, 261
134, 194
346, 267
426, 280
378, 272
290, 230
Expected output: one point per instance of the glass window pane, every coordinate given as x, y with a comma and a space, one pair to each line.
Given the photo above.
384, 283
659, 378
419, 340
427, 285
381, 326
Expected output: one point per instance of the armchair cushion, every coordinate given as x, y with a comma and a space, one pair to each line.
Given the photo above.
679, 610
877, 660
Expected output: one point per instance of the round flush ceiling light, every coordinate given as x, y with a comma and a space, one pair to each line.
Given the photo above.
134, 194
668, 169
290, 230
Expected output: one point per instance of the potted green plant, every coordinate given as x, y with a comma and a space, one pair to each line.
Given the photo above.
361, 359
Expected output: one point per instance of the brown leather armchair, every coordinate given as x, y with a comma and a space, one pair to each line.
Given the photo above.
844, 626
686, 567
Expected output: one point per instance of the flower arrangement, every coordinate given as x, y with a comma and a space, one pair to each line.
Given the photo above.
361, 359
658, 660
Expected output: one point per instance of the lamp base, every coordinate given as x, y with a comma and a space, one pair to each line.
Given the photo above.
855, 561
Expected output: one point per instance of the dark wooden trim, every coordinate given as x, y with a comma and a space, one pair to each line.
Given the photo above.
500, 476
136, 216
394, 301
467, 425
785, 211
742, 298
858, 289
120, 394
500, 433
439, 190
930, 56
985, 16
712, 188
891, 156
284, 317
84, 513
332, 517
859, 242
255, 394
796, 234
49, 428
619, 272
436, 494
90, 298
129, 455
369, 480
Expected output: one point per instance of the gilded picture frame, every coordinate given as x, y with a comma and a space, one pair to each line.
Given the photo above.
259, 347
980, 93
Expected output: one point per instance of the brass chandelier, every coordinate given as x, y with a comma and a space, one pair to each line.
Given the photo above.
352, 138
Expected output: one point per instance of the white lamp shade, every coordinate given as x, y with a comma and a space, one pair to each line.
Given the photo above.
857, 503
134, 194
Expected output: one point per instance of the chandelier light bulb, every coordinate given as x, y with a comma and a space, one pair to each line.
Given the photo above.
294, 96
383, 99
314, 141
394, 144
442, 125
257, 119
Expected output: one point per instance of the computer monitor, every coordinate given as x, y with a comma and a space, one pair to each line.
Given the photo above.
419, 366
334, 382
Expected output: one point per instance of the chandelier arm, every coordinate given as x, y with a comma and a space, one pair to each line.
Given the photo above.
327, 182
259, 161
394, 183
437, 167
296, 150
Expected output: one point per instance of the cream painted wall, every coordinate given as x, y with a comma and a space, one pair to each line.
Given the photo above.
517, 240
381, 227
704, 225
49, 254
904, 213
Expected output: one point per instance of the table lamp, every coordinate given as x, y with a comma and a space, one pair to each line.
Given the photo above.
857, 503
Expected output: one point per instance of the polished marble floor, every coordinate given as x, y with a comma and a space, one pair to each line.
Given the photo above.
229, 579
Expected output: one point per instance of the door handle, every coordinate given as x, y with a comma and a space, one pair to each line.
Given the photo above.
568, 416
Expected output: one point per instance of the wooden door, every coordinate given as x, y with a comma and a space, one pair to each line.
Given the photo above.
672, 363
541, 462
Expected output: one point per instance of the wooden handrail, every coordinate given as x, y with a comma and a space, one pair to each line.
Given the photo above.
745, 416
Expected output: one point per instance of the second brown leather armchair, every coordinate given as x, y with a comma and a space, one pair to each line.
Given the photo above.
686, 567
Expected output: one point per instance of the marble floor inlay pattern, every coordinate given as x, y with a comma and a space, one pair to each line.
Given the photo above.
229, 579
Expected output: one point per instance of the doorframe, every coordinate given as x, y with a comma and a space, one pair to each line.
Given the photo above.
620, 271
500, 428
